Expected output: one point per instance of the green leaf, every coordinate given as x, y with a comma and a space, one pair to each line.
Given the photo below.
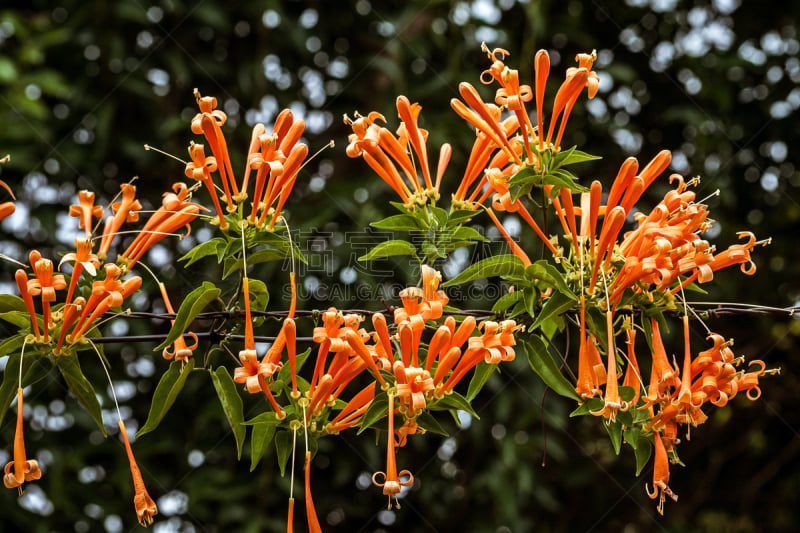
283, 445
389, 249
261, 436
167, 390
34, 369
440, 215
544, 365
21, 319
11, 344
376, 410
573, 156
231, 404
285, 373
192, 305
264, 427
627, 393
549, 275
505, 266
454, 401
592, 405
466, 234
506, 301
459, 216
483, 371
79, 386
259, 295
11, 302
642, 449
562, 178
203, 250
554, 306
428, 423
399, 223
694, 287
614, 430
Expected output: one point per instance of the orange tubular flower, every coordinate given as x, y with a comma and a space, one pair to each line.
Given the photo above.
588, 359
6, 208
180, 350
86, 211
413, 384
145, 506
84, 259
23, 469
199, 169
46, 285
613, 402
22, 282
252, 372
391, 484
209, 122
126, 210
660, 475
311, 512
175, 213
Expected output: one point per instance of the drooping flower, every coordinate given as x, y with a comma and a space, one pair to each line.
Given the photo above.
20, 469
145, 506
390, 480
660, 475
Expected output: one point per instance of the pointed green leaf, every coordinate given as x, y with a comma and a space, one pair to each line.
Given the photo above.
202, 250
549, 275
440, 215
11, 344
12, 302
21, 319
459, 216
399, 223
614, 430
260, 438
167, 390
389, 249
592, 405
428, 423
285, 373
376, 410
483, 371
79, 386
231, 404
506, 301
547, 369
642, 450
554, 306
192, 305
34, 369
505, 266
454, 401
264, 427
283, 445
466, 233
572, 157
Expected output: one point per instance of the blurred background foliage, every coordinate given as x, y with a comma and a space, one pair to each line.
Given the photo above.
85, 84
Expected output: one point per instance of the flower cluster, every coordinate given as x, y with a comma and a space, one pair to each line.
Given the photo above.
597, 271
413, 361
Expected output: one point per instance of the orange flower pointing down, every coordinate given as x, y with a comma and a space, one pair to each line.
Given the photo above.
145, 506
392, 484
20, 469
